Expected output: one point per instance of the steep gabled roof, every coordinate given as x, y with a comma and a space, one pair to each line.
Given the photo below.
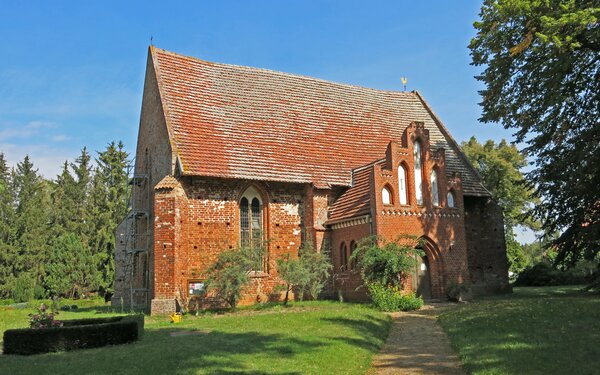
356, 201
240, 122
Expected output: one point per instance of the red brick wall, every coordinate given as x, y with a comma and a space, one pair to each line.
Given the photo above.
164, 278
197, 221
488, 263
441, 226
203, 220
346, 281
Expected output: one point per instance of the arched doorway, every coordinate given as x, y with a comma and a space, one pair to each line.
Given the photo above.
426, 280
422, 279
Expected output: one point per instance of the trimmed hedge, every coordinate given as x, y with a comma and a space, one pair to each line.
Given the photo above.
74, 334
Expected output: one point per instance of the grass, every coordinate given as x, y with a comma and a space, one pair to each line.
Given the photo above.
306, 338
542, 330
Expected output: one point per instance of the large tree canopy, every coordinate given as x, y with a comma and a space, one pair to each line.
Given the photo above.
499, 165
541, 62
500, 168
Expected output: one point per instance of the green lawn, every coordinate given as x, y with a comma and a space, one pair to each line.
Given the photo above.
307, 338
548, 330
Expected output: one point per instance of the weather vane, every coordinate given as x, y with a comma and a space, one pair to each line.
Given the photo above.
404, 80
151, 39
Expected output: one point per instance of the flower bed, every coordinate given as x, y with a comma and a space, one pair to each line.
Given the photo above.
74, 334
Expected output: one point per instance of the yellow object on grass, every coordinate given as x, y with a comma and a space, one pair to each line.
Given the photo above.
176, 318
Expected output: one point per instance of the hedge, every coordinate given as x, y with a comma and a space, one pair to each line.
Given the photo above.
74, 334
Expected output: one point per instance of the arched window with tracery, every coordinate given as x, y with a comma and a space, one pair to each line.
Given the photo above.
402, 192
251, 219
418, 172
435, 191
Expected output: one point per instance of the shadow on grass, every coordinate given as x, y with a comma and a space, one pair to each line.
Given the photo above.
370, 332
537, 330
172, 351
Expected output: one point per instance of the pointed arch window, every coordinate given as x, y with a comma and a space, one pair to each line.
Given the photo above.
403, 194
418, 172
343, 257
450, 200
386, 195
352, 261
251, 219
435, 192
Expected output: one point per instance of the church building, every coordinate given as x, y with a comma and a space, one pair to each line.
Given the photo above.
229, 156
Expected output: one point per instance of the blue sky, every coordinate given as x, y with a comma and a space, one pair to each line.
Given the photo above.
71, 73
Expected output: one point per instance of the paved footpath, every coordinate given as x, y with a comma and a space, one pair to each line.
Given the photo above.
417, 345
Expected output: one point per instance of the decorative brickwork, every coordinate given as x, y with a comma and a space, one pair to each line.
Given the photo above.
317, 156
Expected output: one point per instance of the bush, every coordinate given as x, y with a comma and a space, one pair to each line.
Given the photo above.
24, 288
388, 298
306, 274
386, 264
43, 318
230, 273
543, 274
74, 334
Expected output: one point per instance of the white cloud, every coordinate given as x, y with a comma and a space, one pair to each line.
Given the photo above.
48, 160
60, 138
30, 129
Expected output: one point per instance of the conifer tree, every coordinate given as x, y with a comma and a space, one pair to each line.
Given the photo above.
8, 253
31, 221
107, 207
63, 202
83, 177
71, 269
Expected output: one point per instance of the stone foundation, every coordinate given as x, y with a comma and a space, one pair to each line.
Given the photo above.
163, 306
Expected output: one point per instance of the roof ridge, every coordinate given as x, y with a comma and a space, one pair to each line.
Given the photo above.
452, 142
164, 103
279, 72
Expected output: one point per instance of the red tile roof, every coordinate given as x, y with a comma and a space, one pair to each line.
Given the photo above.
356, 201
168, 182
241, 122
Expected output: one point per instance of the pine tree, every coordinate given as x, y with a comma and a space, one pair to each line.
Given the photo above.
8, 252
31, 222
71, 269
63, 203
107, 207
81, 192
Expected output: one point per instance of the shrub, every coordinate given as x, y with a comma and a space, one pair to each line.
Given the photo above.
387, 298
24, 288
230, 273
43, 318
543, 274
386, 264
306, 274
74, 334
